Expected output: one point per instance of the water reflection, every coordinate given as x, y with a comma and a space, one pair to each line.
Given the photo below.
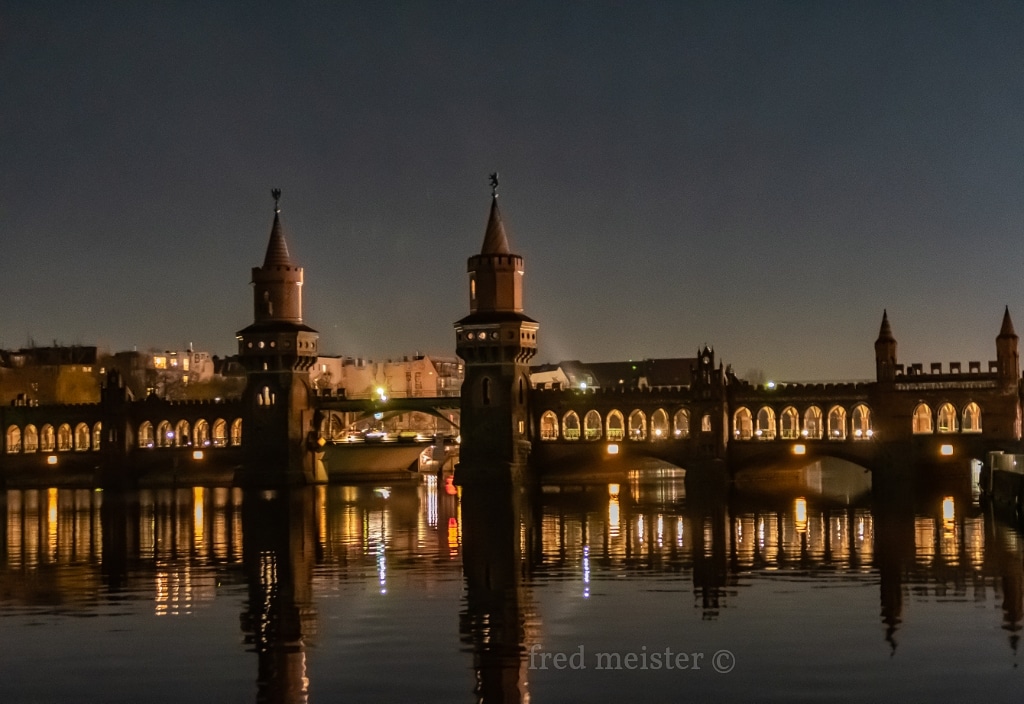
498, 623
280, 548
321, 582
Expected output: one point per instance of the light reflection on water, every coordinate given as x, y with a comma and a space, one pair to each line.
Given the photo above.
418, 591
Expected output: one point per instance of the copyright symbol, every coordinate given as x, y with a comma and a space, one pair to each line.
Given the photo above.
723, 661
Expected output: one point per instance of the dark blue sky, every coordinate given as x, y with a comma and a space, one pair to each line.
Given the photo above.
762, 177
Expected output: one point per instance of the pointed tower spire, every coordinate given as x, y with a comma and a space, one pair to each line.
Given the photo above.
1007, 328
495, 241
885, 332
277, 248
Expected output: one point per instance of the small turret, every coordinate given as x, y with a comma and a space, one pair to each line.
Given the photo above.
885, 352
1007, 358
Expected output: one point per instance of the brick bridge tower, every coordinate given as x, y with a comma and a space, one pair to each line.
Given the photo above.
496, 341
277, 351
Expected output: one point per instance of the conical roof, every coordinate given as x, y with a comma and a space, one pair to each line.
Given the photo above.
1007, 328
885, 332
277, 248
495, 241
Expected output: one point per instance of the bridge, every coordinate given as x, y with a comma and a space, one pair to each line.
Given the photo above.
906, 417
929, 420
340, 413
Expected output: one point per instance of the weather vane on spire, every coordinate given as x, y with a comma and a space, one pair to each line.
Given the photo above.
276, 193
494, 184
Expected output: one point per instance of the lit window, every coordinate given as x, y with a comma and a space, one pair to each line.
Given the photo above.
160, 362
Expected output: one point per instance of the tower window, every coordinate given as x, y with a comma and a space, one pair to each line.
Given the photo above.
485, 387
472, 288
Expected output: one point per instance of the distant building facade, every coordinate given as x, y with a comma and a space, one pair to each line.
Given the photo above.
418, 376
45, 375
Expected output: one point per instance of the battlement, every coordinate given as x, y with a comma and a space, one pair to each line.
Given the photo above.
955, 369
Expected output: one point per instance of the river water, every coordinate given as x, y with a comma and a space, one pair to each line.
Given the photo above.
419, 591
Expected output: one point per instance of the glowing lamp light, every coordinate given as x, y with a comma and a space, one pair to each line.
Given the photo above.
946, 450
52, 459
197, 455
799, 450
613, 449
613, 490
871, 433
657, 433
800, 513
583, 386
858, 433
771, 384
804, 432
948, 512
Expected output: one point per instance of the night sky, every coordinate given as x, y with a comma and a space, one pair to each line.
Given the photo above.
762, 177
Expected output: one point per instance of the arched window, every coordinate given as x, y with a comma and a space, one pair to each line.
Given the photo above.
765, 429
164, 434
97, 436
789, 425
81, 437
659, 425
549, 426
705, 423
637, 425
742, 424
146, 434
571, 426
64, 439
681, 423
236, 431
13, 440
220, 432
31, 439
922, 419
181, 434
972, 420
861, 422
201, 433
947, 418
592, 425
812, 424
837, 423
615, 429
485, 390
47, 439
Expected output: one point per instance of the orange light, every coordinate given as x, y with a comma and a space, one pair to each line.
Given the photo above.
799, 450
52, 459
946, 450
197, 455
613, 449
